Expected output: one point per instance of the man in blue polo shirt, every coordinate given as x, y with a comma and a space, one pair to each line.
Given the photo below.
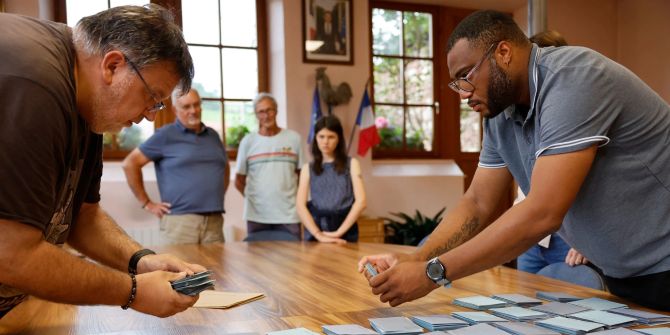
192, 172
584, 138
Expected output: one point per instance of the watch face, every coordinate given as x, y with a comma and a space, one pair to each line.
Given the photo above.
435, 271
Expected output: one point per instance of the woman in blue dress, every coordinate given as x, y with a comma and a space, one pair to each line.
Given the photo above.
334, 186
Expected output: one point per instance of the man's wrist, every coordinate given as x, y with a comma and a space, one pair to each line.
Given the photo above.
135, 258
145, 204
133, 292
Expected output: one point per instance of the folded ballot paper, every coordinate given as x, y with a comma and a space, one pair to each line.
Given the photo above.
395, 326
223, 300
479, 302
648, 318
523, 328
559, 308
570, 326
556, 296
194, 284
517, 299
294, 331
616, 331
480, 329
477, 317
346, 330
597, 304
516, 313
610, 320
655, 331
439, 322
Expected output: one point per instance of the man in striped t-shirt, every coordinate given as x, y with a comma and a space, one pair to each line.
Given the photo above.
268, 163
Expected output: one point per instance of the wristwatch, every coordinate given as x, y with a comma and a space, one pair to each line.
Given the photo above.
436, 271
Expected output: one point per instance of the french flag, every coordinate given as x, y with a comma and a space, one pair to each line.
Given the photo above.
368, 136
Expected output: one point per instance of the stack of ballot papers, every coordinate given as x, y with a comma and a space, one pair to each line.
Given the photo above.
559, 308
439, 322
655, 331
294, 331
216, 299
570, 326
598, 304
477, 317
479, 302
517, 299
648, 318
610, 320
395, 325
346, 330
194, 284
480, 329
516, 313
556, 296
522, 328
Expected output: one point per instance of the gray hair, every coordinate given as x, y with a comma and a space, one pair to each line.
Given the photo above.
264, 96
144, 34
179, 92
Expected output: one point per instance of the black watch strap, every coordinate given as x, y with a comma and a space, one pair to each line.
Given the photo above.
135, 258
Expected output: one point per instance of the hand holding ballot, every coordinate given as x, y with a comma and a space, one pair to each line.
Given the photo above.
194, 284
395, 269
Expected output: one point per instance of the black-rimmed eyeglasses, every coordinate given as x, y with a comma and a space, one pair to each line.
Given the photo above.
463, 84
159, 105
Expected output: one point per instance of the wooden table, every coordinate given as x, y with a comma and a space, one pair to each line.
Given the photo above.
306, 285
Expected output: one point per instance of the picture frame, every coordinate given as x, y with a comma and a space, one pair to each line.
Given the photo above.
327, 31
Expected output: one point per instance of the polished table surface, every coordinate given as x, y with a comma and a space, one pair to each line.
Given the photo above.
306, 285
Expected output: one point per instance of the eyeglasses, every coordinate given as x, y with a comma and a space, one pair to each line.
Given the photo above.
463, 84
159, 105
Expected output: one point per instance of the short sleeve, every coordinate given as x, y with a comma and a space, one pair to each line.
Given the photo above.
153, 147
242, 152
489, 156
576, 105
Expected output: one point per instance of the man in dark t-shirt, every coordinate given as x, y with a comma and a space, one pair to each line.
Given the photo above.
60, 89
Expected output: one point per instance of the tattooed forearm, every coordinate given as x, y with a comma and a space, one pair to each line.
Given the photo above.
466, 232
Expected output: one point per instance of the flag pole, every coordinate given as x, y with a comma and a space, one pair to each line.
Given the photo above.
353, 129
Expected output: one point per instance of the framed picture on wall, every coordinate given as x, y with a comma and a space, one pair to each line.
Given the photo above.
327, 31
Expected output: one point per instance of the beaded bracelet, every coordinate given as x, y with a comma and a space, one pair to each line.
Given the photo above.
133, 291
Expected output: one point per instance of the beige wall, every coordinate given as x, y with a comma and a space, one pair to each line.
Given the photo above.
643, 43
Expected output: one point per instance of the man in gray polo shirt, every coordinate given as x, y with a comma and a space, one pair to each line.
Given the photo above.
587, 142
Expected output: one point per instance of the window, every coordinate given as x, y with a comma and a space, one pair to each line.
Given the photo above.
403, 65
227, 46
228, 58
416, 114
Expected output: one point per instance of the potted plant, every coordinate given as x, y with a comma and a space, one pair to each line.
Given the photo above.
408, 230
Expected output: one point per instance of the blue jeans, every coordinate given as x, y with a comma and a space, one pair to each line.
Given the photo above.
538, 257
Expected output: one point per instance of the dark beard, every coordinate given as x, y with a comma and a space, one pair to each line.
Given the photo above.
500, 90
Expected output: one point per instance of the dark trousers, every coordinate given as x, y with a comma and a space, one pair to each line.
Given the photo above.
292, 228
651, 291
328, 220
